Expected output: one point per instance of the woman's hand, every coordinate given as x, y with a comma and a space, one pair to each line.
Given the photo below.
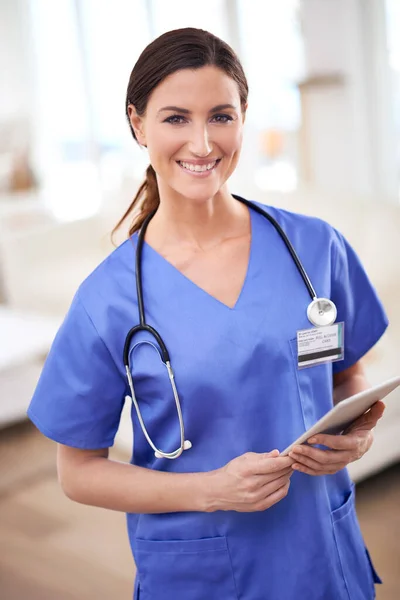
251, 482
343, 449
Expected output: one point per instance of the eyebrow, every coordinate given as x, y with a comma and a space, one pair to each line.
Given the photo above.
185, 111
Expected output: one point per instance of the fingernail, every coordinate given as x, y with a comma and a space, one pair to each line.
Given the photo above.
273, 453
312, 440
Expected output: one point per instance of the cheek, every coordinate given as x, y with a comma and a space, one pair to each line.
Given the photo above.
163, 144
231, 142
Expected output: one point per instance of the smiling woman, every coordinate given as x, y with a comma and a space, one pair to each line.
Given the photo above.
199, 138
197, 135
217, 282
202, 136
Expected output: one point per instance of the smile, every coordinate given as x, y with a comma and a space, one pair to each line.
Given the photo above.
198, 169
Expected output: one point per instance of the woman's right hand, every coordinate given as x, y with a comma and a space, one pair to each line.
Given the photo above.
251, 482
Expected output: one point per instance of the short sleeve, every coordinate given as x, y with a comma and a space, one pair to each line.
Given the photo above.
357, 304
80, 394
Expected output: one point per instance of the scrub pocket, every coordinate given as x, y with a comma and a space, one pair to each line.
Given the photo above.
358, 572
185, 569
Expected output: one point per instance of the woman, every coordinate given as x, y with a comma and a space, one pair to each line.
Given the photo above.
213, 518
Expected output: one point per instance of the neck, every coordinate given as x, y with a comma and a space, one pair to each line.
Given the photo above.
200, 225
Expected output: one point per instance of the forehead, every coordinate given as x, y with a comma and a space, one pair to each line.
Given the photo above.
195, 89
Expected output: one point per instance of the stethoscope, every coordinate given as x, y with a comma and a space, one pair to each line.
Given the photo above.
320, 312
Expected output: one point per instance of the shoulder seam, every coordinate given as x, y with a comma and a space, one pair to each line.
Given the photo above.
99, 336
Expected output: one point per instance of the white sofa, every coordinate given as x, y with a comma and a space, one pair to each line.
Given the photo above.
42, 262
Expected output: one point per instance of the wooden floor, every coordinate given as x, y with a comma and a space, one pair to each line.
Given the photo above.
54, 549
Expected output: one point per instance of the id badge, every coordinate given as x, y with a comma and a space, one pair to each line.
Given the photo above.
320, 345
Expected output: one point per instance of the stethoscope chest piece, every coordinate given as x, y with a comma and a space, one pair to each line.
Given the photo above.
321, 312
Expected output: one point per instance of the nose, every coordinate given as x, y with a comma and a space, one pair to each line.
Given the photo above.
200, 144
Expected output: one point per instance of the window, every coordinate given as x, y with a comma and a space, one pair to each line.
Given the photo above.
272, 53
393, 46
84, 52
174, 14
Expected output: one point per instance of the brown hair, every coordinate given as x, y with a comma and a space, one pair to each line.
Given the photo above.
187, 48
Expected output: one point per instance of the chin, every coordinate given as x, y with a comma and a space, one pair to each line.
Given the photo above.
201, 194
198, 192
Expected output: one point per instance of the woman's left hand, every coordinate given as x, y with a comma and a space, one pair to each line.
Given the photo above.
342, 449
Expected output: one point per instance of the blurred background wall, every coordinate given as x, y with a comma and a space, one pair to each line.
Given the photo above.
322, 137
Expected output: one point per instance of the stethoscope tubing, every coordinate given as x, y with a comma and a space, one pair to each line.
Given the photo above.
139, 249
288, 244
164, 354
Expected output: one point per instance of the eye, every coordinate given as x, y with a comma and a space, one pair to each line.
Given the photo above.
175, 120
222, 118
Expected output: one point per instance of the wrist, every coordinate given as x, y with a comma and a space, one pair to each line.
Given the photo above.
209, 491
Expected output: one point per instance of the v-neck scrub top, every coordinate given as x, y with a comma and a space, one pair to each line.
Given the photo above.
241, 391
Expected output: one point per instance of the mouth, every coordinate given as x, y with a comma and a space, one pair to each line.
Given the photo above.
199, 169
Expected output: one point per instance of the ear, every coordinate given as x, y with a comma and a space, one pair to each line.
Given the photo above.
137, 124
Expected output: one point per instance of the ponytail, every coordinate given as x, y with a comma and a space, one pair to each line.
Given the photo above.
146, 200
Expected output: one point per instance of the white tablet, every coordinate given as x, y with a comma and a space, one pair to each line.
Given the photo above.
345, 412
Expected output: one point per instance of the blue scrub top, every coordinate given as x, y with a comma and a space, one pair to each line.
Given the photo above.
241, 391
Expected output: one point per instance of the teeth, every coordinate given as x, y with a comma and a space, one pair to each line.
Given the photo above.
198, 168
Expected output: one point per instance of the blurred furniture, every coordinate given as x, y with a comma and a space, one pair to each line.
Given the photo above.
42, 263
24, 341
